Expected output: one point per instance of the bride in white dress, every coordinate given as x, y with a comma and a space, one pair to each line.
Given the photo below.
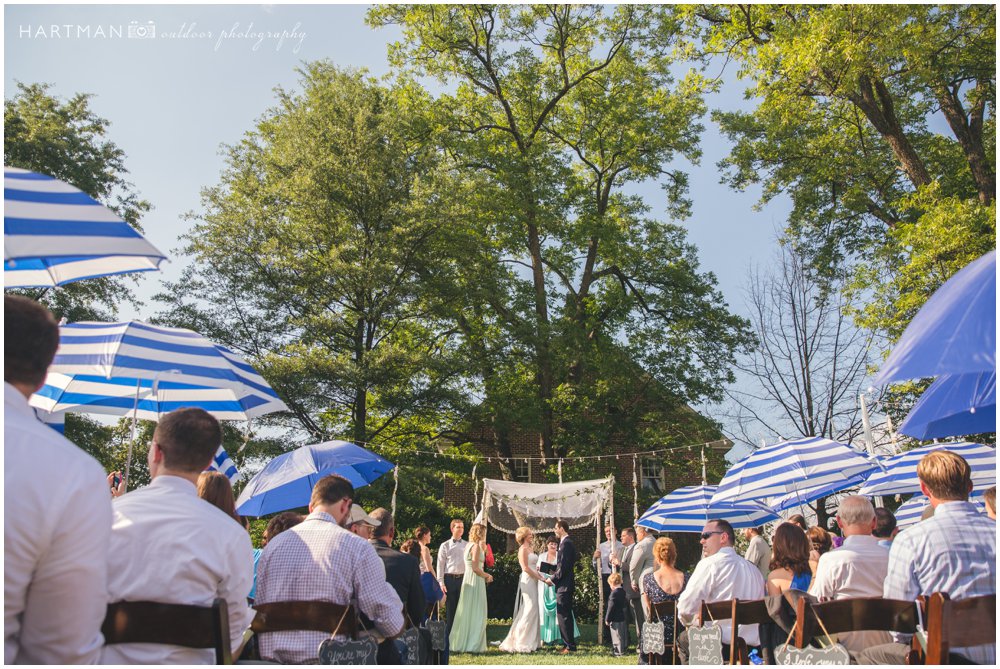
525, 629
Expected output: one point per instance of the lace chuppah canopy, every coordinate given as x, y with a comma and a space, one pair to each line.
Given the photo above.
507, 505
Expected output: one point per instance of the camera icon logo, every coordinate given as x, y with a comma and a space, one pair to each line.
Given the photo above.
145, 30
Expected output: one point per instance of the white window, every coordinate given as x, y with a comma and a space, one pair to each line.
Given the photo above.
520, 470
651, 475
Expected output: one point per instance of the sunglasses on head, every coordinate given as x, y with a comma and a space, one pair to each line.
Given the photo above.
708, 535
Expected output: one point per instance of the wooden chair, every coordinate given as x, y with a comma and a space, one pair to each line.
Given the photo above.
857, 614
746, 612
311, 616
662, 610
959, 623
740, 612
175, 624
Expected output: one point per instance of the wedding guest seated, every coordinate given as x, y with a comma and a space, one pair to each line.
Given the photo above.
820, 543
990, 499
275, 526
215, 488
885, 527
402, 570
168, 545
800, 520
953, 552
320, 560
361, 523
856, 569
57, 512
789, 561
721, 574
663, 585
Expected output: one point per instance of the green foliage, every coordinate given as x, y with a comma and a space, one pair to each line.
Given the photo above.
65, 139
845, 125
502, 592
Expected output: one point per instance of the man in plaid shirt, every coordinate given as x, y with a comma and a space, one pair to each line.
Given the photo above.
954, 551
320, 560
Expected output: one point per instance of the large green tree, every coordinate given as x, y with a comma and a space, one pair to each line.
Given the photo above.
65, 139
552, 113
879, 122
307, 259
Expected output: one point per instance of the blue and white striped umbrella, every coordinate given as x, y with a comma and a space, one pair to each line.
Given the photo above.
55, 234
687, 509
137, 350
793, 467
910, 511
222, 463
900, 475
82, 393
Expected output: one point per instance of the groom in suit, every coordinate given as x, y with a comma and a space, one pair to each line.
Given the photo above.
565, 585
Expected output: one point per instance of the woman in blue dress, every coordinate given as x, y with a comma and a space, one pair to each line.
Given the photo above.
789, 560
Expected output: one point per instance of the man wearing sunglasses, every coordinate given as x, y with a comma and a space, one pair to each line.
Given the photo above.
720, 575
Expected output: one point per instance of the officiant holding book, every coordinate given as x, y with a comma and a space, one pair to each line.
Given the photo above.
565, 585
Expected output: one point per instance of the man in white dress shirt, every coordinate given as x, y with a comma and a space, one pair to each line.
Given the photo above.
720, 575
320, 560
856, 569
451, 569
602, 561
169, 545
57, 513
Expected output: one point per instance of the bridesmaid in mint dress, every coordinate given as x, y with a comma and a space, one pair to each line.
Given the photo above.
468, 634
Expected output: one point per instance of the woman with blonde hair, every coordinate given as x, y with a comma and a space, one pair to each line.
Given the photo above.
664, 584
468, 633
215, 488
525, 635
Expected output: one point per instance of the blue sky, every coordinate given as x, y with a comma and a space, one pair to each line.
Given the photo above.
173, 99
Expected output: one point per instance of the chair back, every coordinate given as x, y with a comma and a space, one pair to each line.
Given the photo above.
660, 611
174, 624
857, 614
311, 616
959, 623
722, 610
745, 612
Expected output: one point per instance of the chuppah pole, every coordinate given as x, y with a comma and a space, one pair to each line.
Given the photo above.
600, 584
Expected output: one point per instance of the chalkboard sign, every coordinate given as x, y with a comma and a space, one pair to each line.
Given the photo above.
337, 651
705, 645
437, 628
411, 638
835, 654
652, 638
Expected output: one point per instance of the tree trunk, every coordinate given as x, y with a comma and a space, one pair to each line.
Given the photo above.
359, 410
543, 356
968, 130
875, 102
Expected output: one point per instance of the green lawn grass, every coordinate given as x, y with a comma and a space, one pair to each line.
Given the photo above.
588, 651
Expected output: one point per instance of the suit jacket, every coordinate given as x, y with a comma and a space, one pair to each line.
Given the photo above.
616, 606
402, 571
641, 562
626, 574
565, 562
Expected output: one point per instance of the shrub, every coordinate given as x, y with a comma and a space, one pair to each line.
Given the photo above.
501, 593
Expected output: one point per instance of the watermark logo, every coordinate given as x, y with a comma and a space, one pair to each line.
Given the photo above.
145, 30
256, 39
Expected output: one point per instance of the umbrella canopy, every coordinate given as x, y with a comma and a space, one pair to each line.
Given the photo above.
687, 509
55, 234
287, 481
900, 475
910, 511
149, 399
954, 332
137, 350
794, 499
955, 404
792, 467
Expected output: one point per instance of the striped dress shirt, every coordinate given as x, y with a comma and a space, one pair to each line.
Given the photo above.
954, 551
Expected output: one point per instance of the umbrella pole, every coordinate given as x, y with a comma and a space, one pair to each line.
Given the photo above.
131, 441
